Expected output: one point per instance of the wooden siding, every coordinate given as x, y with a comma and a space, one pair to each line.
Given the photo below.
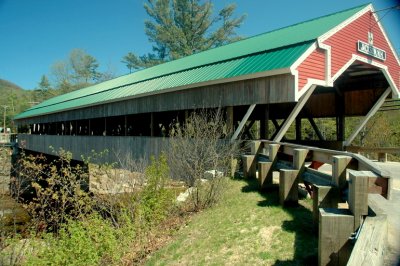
118, 147
313, 67
344, 45
274, 89
356, 102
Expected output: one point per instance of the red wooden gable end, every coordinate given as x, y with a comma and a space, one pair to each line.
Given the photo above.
344, 51
344, 46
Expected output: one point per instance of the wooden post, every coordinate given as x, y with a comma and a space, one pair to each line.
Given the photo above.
382, 157
299, 158
234, 166
229, 119
249, 166
273, 152
152, 126
255, 147
358, 194
265, 174
288, 187
323, 197
335, 228
339, 166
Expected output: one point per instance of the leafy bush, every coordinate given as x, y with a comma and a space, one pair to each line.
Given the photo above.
155, 200
59, 191
91, 241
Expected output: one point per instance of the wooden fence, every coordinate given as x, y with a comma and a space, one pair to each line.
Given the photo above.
352, 178
381, 151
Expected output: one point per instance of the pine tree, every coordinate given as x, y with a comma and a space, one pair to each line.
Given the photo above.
179, 28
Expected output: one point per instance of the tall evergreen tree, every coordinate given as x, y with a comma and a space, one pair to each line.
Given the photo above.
179, 28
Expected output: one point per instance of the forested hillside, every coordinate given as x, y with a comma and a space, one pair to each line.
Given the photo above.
13, 100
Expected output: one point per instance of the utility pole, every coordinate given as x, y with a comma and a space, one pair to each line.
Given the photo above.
4, 119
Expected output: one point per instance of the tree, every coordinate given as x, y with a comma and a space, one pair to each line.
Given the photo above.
84, 66
78, 71
43, 91
182, 27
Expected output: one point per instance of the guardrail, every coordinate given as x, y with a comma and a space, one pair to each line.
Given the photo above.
8, 138
381, 151
353, 178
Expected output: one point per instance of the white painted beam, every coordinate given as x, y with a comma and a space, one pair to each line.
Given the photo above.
371, 112
243, 122
296, 110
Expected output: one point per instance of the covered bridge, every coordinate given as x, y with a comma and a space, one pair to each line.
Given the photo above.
336, 66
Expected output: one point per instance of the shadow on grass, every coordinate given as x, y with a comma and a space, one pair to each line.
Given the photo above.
301, 224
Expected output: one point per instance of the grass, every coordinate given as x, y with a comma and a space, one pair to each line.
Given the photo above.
245, 228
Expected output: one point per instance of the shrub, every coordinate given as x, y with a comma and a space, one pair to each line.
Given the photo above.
91, 241
198, 146
155, 200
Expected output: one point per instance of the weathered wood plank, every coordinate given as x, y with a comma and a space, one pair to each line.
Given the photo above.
371, 245
249, 166
339, 166
323, 197
335, 228
288, 187
358, 194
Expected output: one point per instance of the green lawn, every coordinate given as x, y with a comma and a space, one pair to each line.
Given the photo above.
245, 228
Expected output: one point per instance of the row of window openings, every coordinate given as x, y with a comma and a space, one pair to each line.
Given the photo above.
103, 127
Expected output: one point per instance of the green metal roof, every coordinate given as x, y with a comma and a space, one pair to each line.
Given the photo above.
272, 50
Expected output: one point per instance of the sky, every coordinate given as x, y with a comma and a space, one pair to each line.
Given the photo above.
34, 34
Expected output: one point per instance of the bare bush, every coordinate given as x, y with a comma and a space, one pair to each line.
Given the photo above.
198, 146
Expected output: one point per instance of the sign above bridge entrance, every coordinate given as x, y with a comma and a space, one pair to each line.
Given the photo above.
368, 49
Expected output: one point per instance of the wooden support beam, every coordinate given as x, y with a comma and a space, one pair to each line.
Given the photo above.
296, 110
371, 112
299, 159
339, 166
265, 174
335, 229
323, 197
246, 130
288, 187
273, 152
316, 129
152, 125
249, 166
229, 119
256, 147
243, 122
358, 194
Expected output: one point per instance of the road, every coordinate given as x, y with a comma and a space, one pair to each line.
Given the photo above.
392, 208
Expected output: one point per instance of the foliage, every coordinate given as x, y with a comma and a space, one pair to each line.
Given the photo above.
197, 147
73, 226
77, 71
179, 28
59, 191
91, 241
155, 199
15, 100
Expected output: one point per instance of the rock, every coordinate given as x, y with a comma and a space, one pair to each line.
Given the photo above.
213, 174
184, 195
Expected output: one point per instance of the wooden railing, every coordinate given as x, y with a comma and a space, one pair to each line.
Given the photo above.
381, 151
351, 179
